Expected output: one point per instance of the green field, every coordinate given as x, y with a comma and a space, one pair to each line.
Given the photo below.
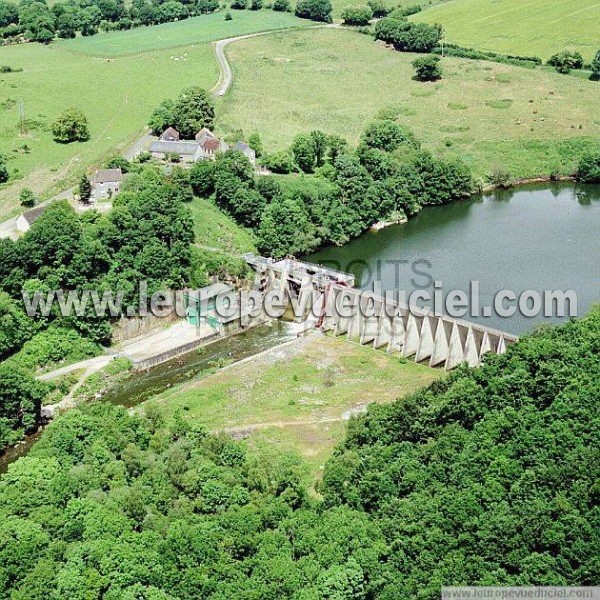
532, 27
117, 96
293, 399
529, 121
197, 30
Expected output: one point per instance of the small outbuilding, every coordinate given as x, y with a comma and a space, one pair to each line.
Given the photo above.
27, 219
170, 134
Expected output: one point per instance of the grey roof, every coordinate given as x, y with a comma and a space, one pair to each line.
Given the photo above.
108, 175
34, 214
174, 147
242, 146
169, 134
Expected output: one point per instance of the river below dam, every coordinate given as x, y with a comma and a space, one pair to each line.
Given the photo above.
538, 237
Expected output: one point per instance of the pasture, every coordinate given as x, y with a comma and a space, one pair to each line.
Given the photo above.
116, 95
528, 121
197, 30
533, 28
294, 398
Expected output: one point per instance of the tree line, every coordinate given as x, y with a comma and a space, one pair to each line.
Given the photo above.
389, 175
487, 477
37, 21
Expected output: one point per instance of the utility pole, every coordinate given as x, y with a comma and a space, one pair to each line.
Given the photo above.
22, 117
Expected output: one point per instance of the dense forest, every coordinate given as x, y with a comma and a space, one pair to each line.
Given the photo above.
487, 477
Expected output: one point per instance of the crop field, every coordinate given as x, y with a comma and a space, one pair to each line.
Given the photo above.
197, 30
528, 121
294, 399
533, 27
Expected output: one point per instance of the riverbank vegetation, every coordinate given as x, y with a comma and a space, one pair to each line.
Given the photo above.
485, 478
528, 122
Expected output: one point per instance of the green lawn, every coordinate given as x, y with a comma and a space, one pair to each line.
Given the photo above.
532, 27
529, 121
197, 30
294, 398
214, 229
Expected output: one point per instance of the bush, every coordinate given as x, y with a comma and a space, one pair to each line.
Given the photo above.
588, 168
282, 6
566, 60
27, 197
228, 16
405, 11
279, 162
379, 8
315, 10
118, 162
427, 68
9, 69
239, 4
357, 15
71, 126
595, 66
256, 4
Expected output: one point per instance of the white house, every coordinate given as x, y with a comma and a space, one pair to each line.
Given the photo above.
106, 184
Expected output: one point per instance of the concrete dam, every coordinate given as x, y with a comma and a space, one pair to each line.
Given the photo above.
327, 299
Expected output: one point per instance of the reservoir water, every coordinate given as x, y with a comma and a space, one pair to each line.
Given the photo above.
543, 237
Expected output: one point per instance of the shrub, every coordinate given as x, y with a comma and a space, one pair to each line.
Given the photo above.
239, 4
27, 197
357, 15
566, 60
118, 162
508, 59
405, 11
315, 10
595, 66
279, 162
256, 4
9, 69
228, 16
282, 6
71, 126
500, 177
379, 8
427, 68
588, 168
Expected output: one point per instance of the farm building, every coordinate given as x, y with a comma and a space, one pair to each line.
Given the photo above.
106, 184
27, 219
246, 150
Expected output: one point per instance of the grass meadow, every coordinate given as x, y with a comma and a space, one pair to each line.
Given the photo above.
197, 30
529, 121
534, 28
116, 95
297, 408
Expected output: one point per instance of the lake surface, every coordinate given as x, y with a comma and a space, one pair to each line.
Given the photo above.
544, 237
